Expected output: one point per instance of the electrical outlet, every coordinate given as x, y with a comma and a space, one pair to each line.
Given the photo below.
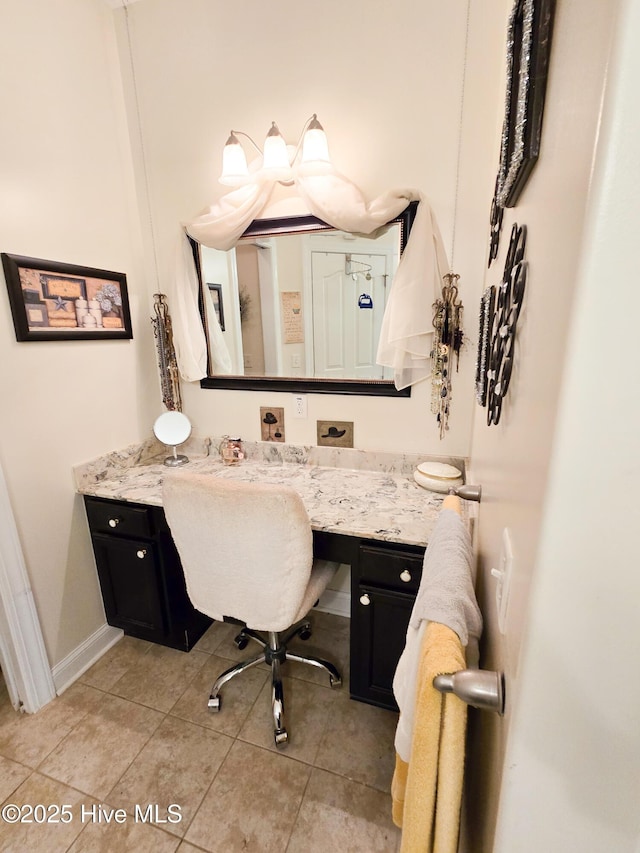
300, 406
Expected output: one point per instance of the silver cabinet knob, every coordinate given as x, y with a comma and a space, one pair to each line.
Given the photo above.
364, 599
405, 576
114, 522
141, 554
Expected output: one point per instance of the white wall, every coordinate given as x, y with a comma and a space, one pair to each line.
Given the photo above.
571, 779
386, 82
513, 460
67, 195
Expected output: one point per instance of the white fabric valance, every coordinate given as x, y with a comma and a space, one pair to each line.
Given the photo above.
405, 339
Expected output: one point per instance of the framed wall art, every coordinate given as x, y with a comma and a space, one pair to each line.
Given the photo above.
215, 290
528, 49
53, 301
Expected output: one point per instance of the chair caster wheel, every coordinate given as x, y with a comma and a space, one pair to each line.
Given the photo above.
214, 704
241, 641
304, 635
280, 737
335, 682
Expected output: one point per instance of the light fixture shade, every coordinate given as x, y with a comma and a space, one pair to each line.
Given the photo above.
315, 150
276, 157
234, 163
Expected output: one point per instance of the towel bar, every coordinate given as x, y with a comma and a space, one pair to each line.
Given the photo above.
467, 493
481, 688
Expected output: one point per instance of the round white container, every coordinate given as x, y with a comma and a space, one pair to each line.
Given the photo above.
438, 476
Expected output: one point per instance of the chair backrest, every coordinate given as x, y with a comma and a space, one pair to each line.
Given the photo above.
246, 548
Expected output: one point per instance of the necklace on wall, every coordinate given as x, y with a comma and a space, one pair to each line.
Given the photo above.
448, 338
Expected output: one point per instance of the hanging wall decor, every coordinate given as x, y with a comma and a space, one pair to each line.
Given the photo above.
447, 342
54, 301
500, 308
167, 364
528, 49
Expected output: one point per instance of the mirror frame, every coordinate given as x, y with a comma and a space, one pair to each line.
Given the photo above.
303, 385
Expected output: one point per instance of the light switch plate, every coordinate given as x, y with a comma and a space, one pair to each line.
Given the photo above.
335, 433
503, 579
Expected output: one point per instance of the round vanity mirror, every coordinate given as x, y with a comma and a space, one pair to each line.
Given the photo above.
172, 429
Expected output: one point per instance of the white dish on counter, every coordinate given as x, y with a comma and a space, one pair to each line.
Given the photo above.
438, 476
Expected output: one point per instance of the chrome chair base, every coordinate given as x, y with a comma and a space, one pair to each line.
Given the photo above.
274, 652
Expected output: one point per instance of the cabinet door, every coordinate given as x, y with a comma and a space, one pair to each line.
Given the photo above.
379, 627
129, 579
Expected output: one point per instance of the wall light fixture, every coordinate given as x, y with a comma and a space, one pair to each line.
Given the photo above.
280, 162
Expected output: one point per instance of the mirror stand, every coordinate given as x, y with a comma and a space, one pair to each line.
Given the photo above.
172, 429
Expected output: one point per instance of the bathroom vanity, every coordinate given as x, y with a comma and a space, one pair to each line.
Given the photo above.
376, 520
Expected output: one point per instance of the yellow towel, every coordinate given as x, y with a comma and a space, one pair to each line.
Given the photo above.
427, 793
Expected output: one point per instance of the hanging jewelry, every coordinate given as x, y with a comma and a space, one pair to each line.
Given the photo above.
167, 364
448, 338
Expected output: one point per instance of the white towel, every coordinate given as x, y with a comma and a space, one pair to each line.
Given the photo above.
446, 595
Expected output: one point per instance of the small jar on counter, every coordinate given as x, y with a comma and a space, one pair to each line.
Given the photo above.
231, 450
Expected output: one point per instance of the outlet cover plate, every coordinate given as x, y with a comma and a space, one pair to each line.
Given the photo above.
271, 423
335, 433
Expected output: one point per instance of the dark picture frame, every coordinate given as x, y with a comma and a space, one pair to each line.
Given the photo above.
528, 50
215, 291
54, 301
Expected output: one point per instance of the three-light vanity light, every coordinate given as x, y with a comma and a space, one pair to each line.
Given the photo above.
279, 161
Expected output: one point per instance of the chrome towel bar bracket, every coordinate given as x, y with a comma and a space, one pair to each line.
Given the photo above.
467, 493
478, 687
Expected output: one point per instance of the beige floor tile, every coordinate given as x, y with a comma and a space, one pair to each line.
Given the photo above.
185, 847
100, 748
37, 836
238, 696
307, 713
129, 837
29, 738
12, 775
176, 766
160, 677
342, 815
358, 743
115, 663
217, 633
330, 641
252, 803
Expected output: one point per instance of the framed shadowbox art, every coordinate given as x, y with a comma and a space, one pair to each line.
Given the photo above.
53, 301
215, 290
528, 50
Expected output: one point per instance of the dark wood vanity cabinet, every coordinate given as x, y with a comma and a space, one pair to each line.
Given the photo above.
144, 591
140, 575
384, 582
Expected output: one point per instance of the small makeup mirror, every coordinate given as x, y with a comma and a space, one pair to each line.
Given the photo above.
172, 429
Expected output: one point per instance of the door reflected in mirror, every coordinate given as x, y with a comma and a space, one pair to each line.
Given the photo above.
302, 309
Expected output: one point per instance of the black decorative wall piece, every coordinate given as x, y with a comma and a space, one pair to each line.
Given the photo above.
500, 308
528, 49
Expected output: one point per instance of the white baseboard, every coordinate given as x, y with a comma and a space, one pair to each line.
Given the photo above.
83, 656
333, 601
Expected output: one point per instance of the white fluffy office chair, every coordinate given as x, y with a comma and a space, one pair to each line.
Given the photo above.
247, 554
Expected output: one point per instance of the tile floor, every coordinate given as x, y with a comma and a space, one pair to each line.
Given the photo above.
135, 731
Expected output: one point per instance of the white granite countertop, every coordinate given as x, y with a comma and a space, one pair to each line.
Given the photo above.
383, 504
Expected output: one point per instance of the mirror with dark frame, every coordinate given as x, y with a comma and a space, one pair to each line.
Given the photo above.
299, 306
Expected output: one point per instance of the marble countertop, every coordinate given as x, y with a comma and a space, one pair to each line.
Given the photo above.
384, 503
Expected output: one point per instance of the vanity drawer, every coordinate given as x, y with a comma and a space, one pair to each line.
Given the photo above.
391, 568
119, 519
